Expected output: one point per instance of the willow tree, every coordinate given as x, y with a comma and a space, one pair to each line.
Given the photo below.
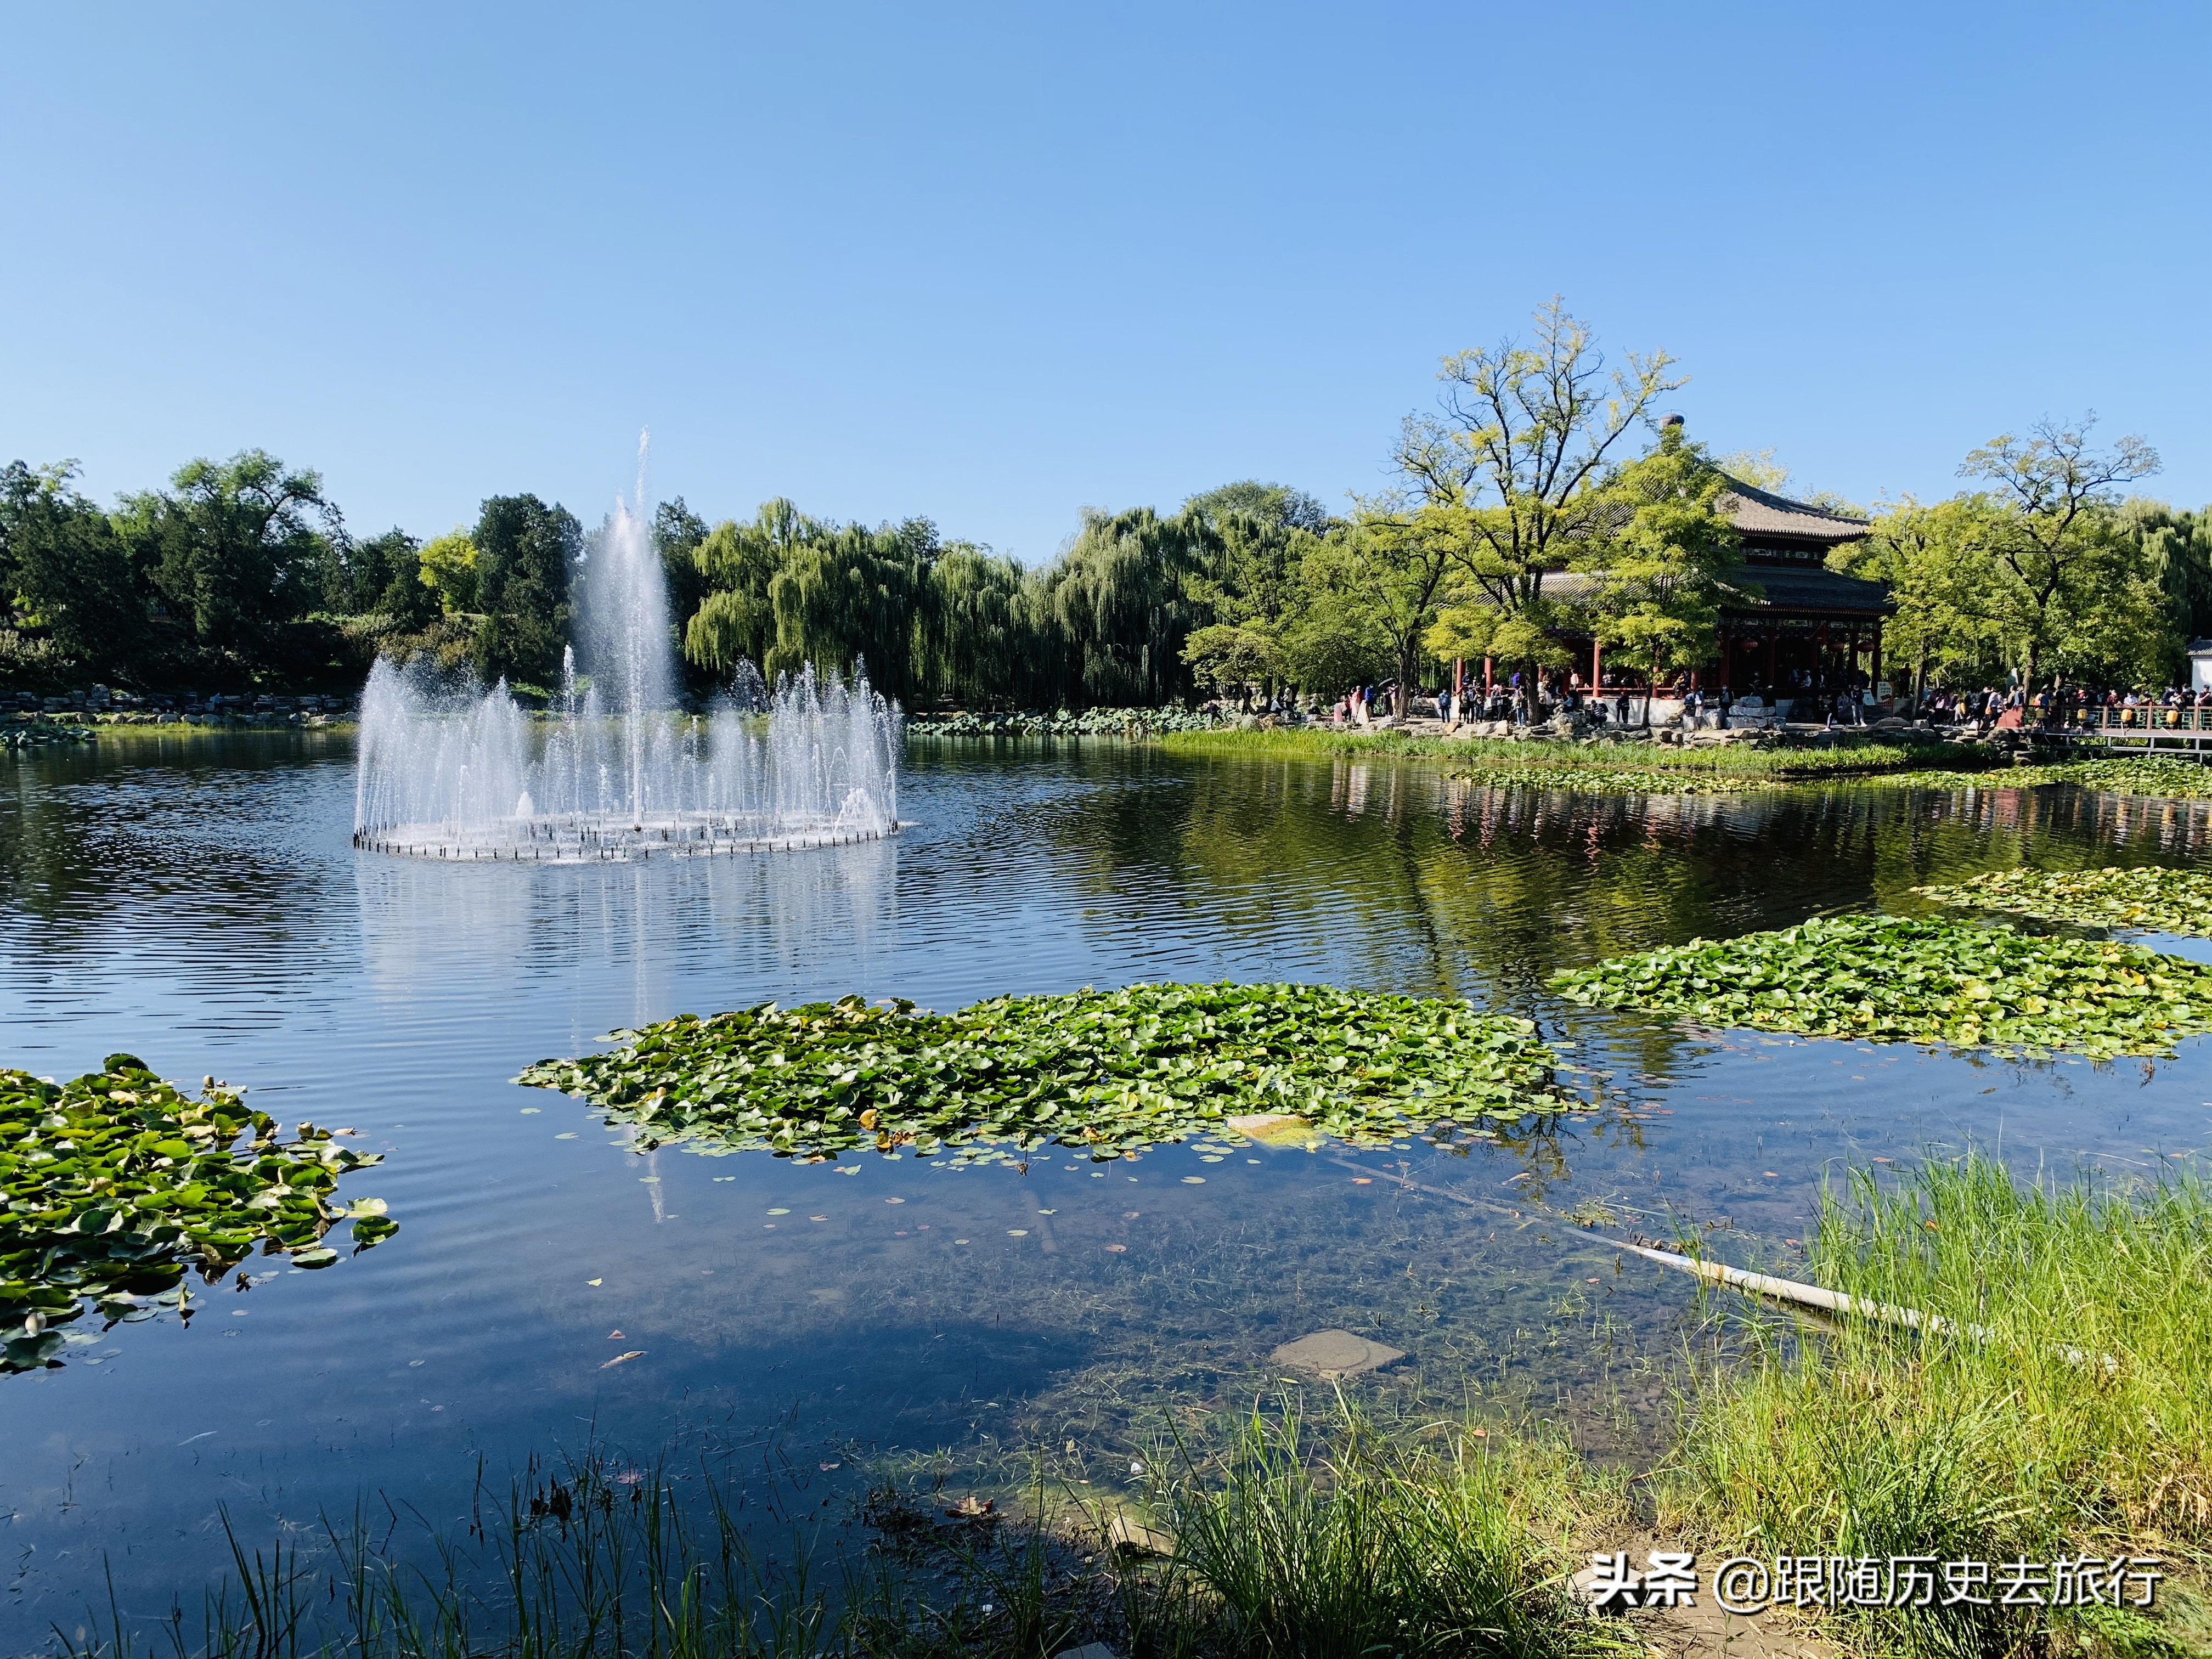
1510, 482
735, 621
1119, 602
974, 636
847, 598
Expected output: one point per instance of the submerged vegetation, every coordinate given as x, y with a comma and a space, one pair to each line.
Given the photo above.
1889, 979
1103, 1071
2147, 896
2062, 1407
116, 1182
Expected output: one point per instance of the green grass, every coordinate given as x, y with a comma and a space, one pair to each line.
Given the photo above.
1370, 1546
2065, 1408
1351, 1548
1781, 763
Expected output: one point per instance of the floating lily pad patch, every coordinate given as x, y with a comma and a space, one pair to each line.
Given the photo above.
1611, 780
1107, 1072
117, 1183
2147, 897
1890, 979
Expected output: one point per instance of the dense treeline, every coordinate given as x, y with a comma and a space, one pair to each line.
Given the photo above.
1529, 468
2046, 574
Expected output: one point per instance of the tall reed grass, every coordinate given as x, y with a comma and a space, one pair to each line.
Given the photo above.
1367, 1546
2057, 1401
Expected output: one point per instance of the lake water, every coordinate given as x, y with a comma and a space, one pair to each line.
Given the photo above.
195, 902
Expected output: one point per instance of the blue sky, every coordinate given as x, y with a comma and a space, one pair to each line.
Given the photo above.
992, 264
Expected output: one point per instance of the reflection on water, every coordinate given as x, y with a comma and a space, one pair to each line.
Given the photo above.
197, 903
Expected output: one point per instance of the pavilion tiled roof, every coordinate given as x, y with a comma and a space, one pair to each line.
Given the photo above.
1758, 513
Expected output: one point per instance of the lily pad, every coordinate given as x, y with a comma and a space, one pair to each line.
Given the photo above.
1890, 979
1104, 1071
2147, 897
117, 1183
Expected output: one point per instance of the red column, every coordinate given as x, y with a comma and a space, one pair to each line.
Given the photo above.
1489, 685
1597, 663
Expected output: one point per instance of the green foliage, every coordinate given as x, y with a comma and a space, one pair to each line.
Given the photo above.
2063, 1406
2045, 572
1369, 1548
63, 566
1888, 979
1105, 1073
1659, 584
2147, 897
115, 1182
448, 567
1608, 780
1118, 606
1085, 723
237, 550
526, 554
1517, 479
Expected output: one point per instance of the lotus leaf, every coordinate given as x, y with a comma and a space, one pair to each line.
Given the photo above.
1104, 1071
2147, 896
117, 1182
1890, 979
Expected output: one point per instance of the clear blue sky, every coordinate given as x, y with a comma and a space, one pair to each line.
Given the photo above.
991, 264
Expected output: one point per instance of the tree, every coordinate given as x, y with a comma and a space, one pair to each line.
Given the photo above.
1659, 581
1337, 639
526, 554
237, 549
676, 533
976, 640
1940, 563
846, 599
366, 576
1270, 503
448, 567
2064, 565
1252, 591
735, 621
1119, 604
1510, 484
2177, 553
65, 566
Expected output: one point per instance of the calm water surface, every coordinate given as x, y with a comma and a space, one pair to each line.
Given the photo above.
196, 902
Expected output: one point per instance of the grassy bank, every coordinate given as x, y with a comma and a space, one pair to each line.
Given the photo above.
1850, 758
2062, 1408
1346, 1545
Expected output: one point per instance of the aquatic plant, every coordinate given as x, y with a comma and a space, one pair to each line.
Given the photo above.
1890, 979
2143, 775
116, 1182
2062, 1408
1610, 781
1065, 723
1103, 1071
2147, 896
1772, 760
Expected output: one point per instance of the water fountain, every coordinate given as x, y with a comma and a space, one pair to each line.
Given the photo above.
615, 773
